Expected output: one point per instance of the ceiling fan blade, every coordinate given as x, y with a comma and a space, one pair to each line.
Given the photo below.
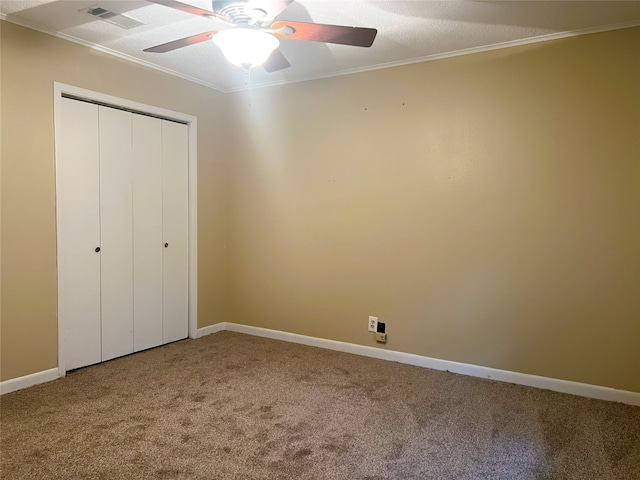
183, 42
189, 8
316, 32
272, 8
276, 61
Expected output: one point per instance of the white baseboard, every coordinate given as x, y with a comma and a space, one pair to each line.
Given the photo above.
563, 386
55, 373
218, 327
28, 380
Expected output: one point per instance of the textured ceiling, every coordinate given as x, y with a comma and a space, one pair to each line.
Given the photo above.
408, 31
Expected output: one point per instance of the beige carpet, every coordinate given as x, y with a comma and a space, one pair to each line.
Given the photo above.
232, 406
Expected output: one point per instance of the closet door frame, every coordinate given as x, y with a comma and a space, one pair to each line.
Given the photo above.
61, 90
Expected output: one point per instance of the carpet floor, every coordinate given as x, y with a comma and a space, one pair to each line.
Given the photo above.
233, 406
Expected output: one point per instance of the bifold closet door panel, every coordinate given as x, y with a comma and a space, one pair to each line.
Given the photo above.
147, 232
116, 216
175, 207
78, 221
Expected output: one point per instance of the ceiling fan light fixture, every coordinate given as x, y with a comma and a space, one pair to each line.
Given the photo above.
246, 46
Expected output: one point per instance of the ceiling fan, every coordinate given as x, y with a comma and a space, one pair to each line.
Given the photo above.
253, 37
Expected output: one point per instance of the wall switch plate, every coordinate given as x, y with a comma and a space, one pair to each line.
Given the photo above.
381, 327
381, 337
373, 324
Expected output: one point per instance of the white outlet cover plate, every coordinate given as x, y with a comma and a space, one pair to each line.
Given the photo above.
373, 324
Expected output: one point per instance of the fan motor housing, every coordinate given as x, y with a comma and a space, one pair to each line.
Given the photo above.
234, 10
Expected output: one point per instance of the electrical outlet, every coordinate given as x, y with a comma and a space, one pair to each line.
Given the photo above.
373, 324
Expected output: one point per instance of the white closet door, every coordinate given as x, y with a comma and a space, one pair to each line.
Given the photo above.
116, 232
78, 209
175, 206
147, 232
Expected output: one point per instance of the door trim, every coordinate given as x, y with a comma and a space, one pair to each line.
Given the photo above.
60, 90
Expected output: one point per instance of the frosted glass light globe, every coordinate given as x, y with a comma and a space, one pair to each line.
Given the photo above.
246, 46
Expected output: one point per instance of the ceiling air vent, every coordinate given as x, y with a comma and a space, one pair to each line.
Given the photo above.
117, 19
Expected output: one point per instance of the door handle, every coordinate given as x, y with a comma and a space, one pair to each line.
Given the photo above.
97, 249
166, 245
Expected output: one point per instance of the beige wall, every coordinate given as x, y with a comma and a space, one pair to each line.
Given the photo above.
486, 207
30, 63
